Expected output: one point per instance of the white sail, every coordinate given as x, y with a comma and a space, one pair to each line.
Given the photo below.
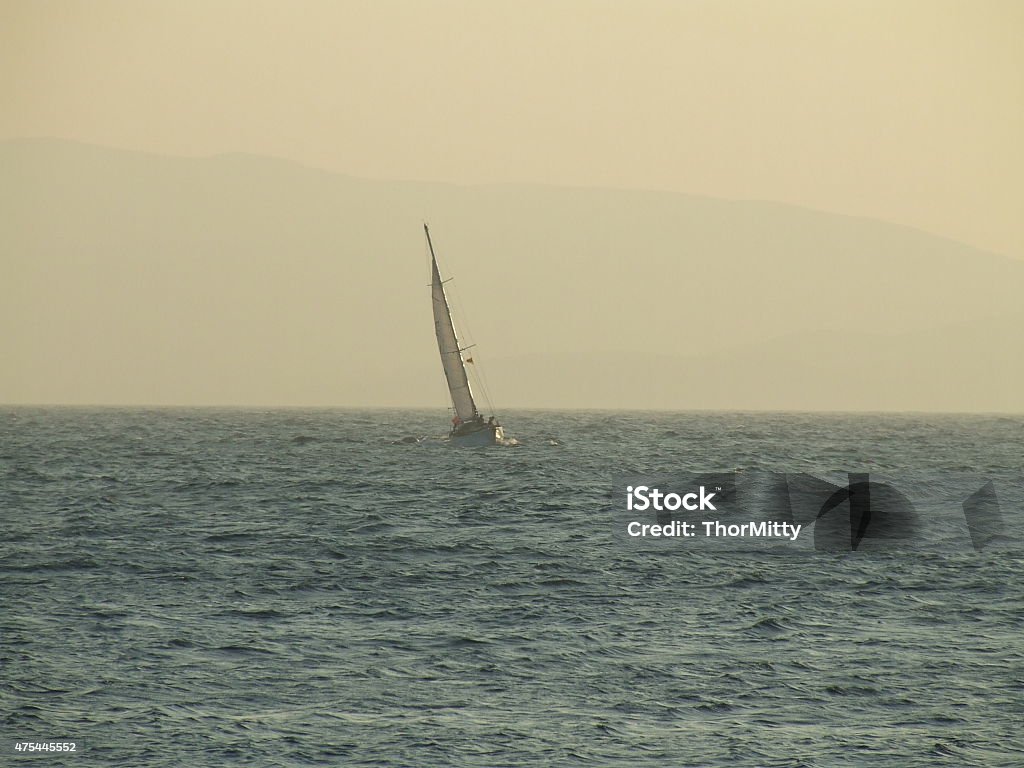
448, 344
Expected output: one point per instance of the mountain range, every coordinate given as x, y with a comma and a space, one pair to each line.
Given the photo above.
131, 278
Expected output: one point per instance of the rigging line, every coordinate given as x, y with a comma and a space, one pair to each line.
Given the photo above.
482, 377
467, 336
479, 374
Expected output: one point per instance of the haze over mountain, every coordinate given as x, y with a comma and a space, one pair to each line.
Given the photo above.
131, 278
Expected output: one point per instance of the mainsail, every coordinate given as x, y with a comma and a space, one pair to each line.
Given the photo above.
448, 344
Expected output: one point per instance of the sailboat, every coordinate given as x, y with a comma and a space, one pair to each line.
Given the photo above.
468, 424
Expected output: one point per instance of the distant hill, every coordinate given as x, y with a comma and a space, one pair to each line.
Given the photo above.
135, 278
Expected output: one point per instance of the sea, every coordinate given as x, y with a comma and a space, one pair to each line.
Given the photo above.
326, 587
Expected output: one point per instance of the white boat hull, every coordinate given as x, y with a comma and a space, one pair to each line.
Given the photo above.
486, 434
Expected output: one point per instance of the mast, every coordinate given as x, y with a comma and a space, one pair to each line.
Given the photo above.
448, 344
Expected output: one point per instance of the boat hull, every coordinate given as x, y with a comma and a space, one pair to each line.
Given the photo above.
486, 434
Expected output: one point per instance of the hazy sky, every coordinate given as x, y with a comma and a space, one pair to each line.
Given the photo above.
909, 111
